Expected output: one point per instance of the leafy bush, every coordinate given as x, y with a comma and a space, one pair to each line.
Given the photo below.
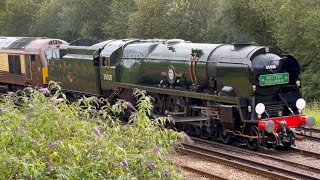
46, 137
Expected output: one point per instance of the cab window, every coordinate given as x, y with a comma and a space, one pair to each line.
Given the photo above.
14, 64
52, 54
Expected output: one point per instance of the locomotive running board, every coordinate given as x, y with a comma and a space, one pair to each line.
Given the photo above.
174, 92
190, 118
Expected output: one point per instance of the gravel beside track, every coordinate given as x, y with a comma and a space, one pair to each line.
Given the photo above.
181, 159
203, 172
308, 145
312, 154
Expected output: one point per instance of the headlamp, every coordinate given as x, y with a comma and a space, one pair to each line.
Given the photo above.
260, 108
301, 104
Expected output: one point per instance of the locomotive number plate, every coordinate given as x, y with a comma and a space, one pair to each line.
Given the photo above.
273, 79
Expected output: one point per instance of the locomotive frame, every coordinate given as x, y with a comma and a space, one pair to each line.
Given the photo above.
209, 90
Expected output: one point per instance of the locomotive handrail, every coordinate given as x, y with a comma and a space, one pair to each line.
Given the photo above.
210, 97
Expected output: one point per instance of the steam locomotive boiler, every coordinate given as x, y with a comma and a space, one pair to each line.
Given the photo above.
224, 91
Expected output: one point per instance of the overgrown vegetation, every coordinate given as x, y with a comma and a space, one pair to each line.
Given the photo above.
44, 136
313, 110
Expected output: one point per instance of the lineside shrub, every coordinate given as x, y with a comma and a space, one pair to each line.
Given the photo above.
313, 109
43, 136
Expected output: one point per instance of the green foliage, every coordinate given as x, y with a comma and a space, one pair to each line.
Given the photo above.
83, 18
220, 26
148, 20
294, 26
305, 45
18, 16
48, 19
43, 136
118, 22
313, 109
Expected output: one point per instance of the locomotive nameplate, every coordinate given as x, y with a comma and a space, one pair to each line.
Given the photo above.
107, 77
273, 79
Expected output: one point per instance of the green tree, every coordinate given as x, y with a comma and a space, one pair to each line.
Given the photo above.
48, 19
2, 13
18, 16
220, 26
83, 18
186, 19
295, 27
297, 32
118, 24
148, 20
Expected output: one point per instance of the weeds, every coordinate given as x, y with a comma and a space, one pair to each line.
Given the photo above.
44, 136
314, 110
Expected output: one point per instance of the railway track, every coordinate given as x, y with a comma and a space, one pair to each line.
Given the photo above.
309, 134
265, 154
202, 173
306, 153
228, 155
316, 130
313, 138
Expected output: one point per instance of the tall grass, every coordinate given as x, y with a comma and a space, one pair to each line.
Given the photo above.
313, 110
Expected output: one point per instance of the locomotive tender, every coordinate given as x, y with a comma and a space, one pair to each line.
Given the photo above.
225, 91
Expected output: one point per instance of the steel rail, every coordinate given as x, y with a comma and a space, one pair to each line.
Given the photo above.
203, 173
267, 156
244, 164
316, 130
309, 137
306, 153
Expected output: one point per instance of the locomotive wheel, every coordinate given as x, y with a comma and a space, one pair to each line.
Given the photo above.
209, 130
253, 144
175, 104
158, 106
206, 132
191, 130
197, 131
225, 138
215, 131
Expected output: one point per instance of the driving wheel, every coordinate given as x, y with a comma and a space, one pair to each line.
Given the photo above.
224, 136
253, 143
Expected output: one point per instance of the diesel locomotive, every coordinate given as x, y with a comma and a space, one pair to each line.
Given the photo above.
23, 62
223, 91
236, 91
